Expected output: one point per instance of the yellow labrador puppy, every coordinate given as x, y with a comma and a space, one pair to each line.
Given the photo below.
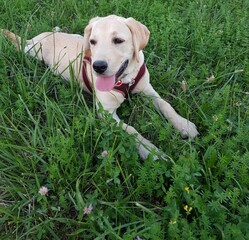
108, 61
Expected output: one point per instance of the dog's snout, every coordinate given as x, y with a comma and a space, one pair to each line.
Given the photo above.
100, 66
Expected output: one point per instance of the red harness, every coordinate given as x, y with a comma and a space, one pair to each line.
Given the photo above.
123, 88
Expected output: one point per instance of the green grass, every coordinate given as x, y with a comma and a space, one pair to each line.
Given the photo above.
50, 134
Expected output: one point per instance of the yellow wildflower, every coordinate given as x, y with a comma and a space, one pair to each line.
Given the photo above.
186, 189
172, 222
185, 208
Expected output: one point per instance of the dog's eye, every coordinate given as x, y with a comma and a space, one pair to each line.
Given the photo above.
93, 42
118, 40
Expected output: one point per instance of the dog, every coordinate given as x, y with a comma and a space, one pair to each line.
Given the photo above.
107, 61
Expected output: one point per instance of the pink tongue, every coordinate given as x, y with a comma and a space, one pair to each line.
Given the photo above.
105, 83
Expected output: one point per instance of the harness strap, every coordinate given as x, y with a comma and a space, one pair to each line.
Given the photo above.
123, 88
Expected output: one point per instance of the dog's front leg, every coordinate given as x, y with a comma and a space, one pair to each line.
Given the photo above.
111, 102
144, 146
184, 126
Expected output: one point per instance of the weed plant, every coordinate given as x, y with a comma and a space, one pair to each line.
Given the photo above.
98, 188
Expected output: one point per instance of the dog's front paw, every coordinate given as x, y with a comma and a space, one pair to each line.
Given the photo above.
145, 149
186, 128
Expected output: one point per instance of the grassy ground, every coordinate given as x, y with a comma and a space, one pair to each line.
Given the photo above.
50, 135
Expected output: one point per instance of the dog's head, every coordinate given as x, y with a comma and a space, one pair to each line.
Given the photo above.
113, 43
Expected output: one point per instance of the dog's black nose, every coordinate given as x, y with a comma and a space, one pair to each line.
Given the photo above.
100, 66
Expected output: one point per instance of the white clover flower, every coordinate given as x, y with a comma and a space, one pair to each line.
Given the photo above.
104, 154
43, 190
88, 210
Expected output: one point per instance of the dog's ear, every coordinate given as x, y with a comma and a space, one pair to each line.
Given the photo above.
87, 33
140, 35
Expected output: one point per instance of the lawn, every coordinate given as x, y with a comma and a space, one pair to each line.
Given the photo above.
65, 174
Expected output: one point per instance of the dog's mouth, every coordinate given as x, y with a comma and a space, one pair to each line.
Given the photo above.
107, 83
122, 69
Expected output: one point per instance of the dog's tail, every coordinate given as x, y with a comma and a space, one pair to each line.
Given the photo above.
15, 39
